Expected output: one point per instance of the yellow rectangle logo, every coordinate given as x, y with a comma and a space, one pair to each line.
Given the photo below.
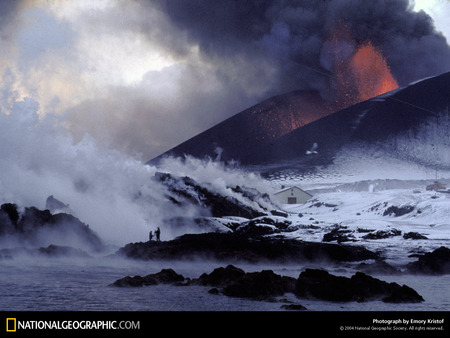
11, 324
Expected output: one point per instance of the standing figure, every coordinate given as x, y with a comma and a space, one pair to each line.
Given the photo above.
150, 235
158, 233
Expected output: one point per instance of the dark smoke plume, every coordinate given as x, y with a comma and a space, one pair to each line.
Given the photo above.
291, 35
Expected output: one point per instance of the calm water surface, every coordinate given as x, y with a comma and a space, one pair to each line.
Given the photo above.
83, 285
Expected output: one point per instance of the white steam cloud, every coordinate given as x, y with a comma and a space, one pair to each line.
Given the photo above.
112, 192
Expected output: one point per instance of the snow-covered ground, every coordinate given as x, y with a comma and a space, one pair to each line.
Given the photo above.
356, 192
397, 218
363, 212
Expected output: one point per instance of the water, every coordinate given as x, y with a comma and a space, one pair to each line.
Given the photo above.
83, 285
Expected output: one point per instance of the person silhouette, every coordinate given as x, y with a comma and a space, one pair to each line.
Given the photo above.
150, 235
158, 234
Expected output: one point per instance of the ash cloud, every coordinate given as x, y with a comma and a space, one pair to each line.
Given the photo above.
116, 195
291, 35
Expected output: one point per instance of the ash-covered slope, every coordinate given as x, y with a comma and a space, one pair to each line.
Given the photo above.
245, 135
396, 122
391, 121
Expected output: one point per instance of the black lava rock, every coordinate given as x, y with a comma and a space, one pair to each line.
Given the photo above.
414, 235
185, 190
339, 235
320, 284
62, 251
379, 267
260, 285
221, 276
432, 263
294, 307
398, 211
165, 276
381, 234
34, 226
231, 246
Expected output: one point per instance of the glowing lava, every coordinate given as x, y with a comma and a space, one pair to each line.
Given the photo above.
360, 72
371, 74
280, 115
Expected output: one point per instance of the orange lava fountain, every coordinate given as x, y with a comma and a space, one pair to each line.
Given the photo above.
371, 74
360, 73
363, 75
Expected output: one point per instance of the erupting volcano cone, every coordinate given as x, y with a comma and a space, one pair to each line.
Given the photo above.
263, 133
359, 73
244, 135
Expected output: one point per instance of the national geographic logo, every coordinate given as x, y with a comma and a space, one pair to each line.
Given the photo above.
11, 324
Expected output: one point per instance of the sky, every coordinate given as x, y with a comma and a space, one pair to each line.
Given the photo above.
142, 76
439, 11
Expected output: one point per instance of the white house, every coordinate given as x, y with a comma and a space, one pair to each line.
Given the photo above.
292, 195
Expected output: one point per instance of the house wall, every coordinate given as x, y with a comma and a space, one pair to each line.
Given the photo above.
287, 196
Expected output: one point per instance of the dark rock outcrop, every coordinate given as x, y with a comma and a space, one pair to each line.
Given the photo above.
381, 234
236, 282
62, 251
294, 307
264, 225
379, 267
319, 284
235, 247
259, 285
254, 228
267, 285
338, 234
221, 277
414, 235
165, 276
54, 205
279, 213
51, 251
432, 263
398, 211
404, 294
40, 227
9, 217
185, 190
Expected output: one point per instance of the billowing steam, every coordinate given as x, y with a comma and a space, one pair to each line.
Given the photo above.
112, 192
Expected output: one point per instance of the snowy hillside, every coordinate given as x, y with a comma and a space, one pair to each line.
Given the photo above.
388, 220
397, 223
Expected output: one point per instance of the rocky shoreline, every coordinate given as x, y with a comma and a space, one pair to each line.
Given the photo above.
269, 286
266, 285
238, 247
258, 240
